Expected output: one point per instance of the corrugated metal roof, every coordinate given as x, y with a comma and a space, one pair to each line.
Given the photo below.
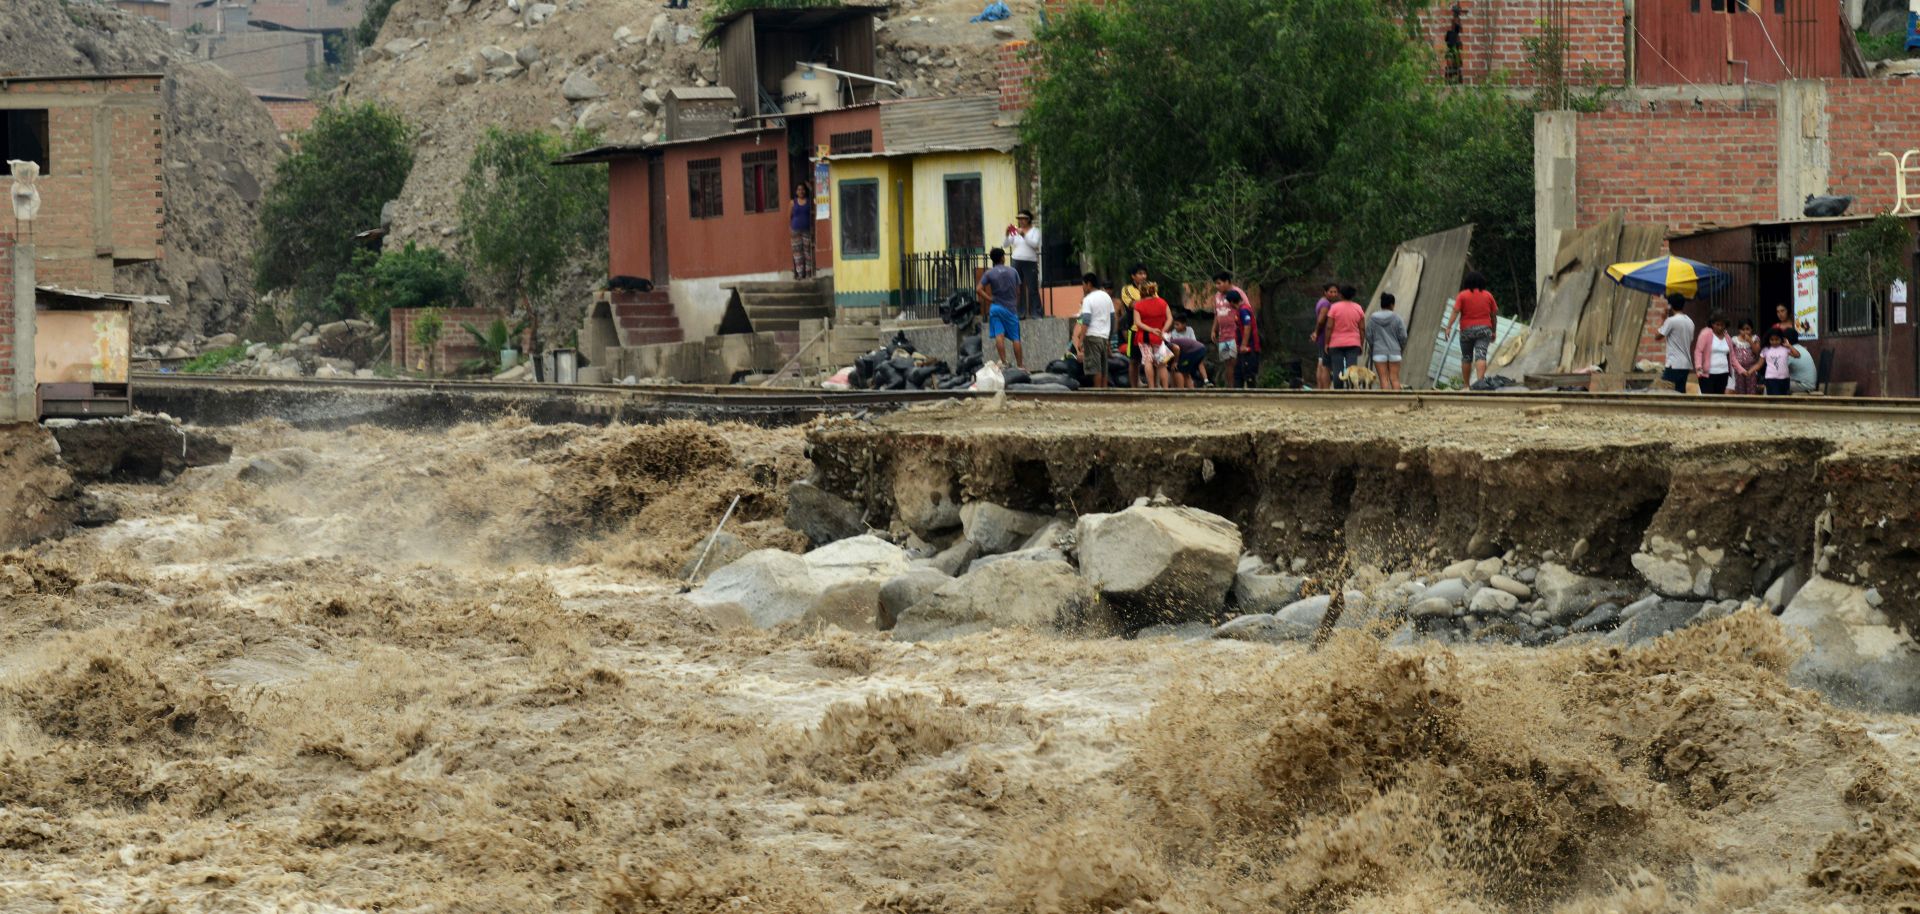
700, 92
55, 295
957, 124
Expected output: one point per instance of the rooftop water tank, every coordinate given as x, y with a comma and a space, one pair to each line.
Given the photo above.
807, 90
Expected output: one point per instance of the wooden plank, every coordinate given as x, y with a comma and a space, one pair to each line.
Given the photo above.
1443, 261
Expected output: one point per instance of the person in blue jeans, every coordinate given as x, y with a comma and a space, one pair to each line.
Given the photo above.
1000, 286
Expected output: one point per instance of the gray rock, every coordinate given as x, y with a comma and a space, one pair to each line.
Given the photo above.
1652, 623
540, 12
1035, 595
903, 591
1185, 631
1493, 601
1566, 595
821, 515
1784, 588
1857, 655
1462, 569
651, 101
1263, 627
1404, 636
725, 549
1003, 31
1712, 611
464, 73
765, 587
278, 465
495, 56
527, 55
1160, 564
1309, 612
1261, 592
1600, 619
1509, 585
1433, 608
220, 341
1048, 537
661, 31
1019, 555
1639, 606
1452, 590
1485, 569
580, 87
1527, 575
998, 529
856, 558
955, 558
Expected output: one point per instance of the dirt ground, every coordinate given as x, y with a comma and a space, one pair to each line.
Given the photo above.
447, 672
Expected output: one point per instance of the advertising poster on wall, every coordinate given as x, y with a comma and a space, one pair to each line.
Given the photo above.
1806, 296
821, 192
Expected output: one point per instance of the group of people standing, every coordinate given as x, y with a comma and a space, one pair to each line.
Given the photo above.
1157, 340
1740, 362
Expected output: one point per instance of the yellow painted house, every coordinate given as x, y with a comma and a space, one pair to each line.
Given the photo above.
914, 217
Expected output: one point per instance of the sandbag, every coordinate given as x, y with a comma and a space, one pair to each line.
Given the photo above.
1016, 376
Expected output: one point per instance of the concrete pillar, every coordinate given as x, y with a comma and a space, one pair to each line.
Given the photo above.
1803, 126
19, 400
1556, 207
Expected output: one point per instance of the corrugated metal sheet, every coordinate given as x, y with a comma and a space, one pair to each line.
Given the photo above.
946, 124
1726, 42
738, 63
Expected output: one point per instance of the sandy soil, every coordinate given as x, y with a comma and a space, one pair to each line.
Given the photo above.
447, 672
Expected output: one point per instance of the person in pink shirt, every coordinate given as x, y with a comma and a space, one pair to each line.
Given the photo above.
1342, 325
1773, 362
1226, 325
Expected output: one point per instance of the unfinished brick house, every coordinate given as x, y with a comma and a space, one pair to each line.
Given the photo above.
98, 142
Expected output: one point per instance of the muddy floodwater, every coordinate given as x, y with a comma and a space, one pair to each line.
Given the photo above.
450, 671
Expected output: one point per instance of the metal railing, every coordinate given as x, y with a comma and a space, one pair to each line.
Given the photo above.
926, 280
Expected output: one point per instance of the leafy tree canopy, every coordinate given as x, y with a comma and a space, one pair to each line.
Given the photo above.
522, 218
412, 277
1320, 111
351, 162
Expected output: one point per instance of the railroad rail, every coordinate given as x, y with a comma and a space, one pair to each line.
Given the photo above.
169, 391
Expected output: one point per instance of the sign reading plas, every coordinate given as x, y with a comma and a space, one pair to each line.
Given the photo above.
697, 111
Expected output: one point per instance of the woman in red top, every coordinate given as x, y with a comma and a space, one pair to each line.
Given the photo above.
1151, 320
1474, 308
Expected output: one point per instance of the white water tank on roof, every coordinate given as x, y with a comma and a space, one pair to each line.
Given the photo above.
807, 90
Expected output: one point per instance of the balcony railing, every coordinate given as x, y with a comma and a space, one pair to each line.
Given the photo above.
926, 280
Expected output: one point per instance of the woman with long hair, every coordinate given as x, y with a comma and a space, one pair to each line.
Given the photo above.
1152, 318
800, 223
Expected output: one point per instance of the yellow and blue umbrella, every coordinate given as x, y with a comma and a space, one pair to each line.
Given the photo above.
1667, 275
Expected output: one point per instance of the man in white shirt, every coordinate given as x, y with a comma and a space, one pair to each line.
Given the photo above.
1091, 331
1678, 332
1023, 248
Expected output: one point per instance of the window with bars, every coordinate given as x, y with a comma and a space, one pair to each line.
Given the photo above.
704, 189
760, 180
856, 141
859, 217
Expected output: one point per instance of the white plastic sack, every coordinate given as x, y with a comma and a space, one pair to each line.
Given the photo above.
989, 378
841, 380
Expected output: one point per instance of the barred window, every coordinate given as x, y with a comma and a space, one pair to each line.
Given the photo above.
850, 143
760, 180
703, 188
859, 217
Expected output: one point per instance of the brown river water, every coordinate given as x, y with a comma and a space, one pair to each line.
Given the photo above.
449, 672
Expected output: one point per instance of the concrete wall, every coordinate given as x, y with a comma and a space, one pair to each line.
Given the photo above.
100, 193
17, 402
1043, 339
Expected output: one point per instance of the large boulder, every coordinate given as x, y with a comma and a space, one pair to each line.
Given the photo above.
1034, 595
716, 551
903, 591
1160, 564
997, 529
134, 448
923, 497
837, 585
823, 516
769, 587
1856, 656
1262, 591
1567, 595
1674, 570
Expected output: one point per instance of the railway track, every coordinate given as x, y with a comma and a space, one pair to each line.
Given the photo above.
607, 401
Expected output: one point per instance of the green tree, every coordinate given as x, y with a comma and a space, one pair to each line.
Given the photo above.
426, 334
1326, 105
351, 162
1864, 264
522, 218
412, 277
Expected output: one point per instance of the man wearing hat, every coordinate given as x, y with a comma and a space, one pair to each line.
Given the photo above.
1023, 248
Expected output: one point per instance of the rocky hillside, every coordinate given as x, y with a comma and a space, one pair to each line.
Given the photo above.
455, 67
220, 150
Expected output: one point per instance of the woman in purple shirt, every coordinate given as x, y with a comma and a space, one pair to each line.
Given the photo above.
801, 223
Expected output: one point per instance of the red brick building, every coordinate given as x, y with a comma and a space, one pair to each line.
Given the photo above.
98, 141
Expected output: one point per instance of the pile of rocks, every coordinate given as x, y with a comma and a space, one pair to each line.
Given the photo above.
999, 568
1162, 570
339, 349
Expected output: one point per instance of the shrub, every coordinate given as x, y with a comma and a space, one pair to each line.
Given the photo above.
412, 277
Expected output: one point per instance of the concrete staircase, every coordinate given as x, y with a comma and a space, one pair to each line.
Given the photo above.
783, 304
644, 318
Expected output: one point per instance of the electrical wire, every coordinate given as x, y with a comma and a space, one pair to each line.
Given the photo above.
1769, 36
1677, 71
